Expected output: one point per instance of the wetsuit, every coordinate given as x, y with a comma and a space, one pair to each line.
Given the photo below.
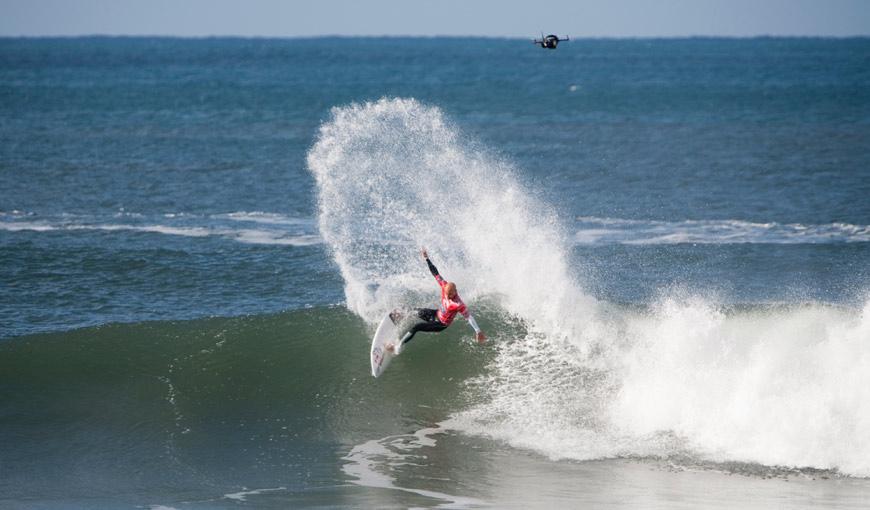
431, 320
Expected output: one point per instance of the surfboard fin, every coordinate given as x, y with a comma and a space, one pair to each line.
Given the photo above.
401, 344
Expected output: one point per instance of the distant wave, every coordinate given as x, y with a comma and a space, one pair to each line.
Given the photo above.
593, 230
243, 227
258, 227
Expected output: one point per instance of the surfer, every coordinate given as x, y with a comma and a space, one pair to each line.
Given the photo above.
433, 321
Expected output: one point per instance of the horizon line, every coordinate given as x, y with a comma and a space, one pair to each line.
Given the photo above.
417, 36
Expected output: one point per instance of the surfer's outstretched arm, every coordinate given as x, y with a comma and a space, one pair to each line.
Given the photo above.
478, 333
432, 268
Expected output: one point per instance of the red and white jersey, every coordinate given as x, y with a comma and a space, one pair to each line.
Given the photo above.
448, 308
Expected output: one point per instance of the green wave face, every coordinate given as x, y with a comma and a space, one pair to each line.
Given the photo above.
184, 406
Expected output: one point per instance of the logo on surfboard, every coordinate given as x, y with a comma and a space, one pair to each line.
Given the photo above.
377, 357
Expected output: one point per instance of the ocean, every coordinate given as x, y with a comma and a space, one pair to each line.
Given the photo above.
667, 242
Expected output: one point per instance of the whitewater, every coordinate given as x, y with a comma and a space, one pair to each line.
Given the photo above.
685, 377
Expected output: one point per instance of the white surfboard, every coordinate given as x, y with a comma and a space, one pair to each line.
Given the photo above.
386, 333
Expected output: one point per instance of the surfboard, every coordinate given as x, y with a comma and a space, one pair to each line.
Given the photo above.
387, 332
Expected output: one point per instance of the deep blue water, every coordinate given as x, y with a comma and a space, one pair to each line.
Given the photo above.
179, 133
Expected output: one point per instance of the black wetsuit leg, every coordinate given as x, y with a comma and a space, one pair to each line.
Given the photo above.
428, 322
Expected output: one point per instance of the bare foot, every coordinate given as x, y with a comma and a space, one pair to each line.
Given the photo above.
390, 348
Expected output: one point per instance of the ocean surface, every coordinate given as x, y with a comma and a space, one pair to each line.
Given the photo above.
667, 242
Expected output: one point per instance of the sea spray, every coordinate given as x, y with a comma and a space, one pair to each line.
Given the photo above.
583, 379
395, 175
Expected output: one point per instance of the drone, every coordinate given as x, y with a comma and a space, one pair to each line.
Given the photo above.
550, 42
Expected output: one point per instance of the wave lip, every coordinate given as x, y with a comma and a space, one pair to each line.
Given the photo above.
594, 231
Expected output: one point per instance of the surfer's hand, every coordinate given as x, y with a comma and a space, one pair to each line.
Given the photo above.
481, 338
424, 253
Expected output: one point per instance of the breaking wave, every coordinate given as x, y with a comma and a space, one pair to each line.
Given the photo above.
576, 377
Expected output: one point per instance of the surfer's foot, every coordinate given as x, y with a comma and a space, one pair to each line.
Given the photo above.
390, 348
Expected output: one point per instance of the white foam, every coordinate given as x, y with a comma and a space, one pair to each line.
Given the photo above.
243, 495
372, 463
780, 387
276, 232
269, 237
154, 229
594, 230
587, 379
266, 218
20, 226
